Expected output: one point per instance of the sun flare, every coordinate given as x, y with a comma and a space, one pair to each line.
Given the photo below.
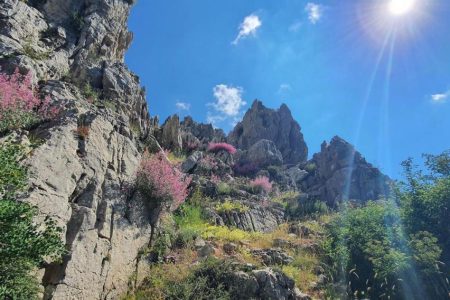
401, 7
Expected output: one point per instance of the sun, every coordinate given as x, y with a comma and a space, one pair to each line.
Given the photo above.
401, 7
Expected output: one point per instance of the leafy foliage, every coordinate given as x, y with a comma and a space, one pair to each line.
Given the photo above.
205, 281
368, 248
12, 174
23, 243
399, 248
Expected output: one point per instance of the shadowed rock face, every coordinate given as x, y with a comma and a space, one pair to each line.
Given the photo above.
275, 125
339, 172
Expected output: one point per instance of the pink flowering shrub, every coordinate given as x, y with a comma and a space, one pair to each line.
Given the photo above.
261, 183
160, 182
217, 147
20, 106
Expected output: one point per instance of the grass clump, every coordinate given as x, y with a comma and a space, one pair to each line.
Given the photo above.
286, 198
229, 206
181, 281
224, 188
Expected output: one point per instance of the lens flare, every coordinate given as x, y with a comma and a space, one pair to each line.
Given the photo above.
401, 7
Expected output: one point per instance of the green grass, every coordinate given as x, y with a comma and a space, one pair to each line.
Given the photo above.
229, 206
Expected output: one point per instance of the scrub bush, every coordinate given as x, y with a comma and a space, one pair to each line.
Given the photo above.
161, 182
217, 147
261, 183
20, 106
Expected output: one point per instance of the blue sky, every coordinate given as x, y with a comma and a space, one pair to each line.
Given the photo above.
351, 68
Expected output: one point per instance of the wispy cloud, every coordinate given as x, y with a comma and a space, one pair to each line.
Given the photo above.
440, 98
284, 88
314, 11
248, 27
183, 106
295, 26
227, 105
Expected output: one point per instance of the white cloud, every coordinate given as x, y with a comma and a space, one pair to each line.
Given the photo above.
284, 88
248, 27
295, 26
315, 12
227, 105
183, 105
228, 99
440, 98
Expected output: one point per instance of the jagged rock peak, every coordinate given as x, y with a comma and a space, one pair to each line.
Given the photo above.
339, 172
278, 126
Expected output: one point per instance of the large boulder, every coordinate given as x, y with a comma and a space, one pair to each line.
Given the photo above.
339, 172
277, 126
265, 284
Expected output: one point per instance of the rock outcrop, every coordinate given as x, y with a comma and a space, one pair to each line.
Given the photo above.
261, 154
277, 126
75, 49
338, 172
266, 284
258, 218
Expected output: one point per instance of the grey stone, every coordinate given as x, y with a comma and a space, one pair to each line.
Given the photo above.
229, 248
191, 162
262, 154
337, 164
277, 126
272, 257
205, 251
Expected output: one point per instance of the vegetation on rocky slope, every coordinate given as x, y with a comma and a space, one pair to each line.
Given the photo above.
25, 244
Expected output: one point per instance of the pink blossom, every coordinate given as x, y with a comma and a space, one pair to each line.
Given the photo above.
217, 147
19, 100
161, 180
262, 182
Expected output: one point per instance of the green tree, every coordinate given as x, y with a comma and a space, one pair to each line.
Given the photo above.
24, 243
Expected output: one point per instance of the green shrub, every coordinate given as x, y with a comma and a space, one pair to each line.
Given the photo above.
223, 188
310, 167
208, 281
23, 243
229, 206
12, 173
286, 198
367, 248
306, 208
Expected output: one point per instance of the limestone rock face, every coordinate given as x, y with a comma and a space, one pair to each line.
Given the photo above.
261, 154
258, 218
203, 133
169, 134
339, 172
277, 126
69, 45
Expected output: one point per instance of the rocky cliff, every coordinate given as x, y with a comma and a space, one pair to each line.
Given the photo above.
339, 172
75, 49
277, 126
